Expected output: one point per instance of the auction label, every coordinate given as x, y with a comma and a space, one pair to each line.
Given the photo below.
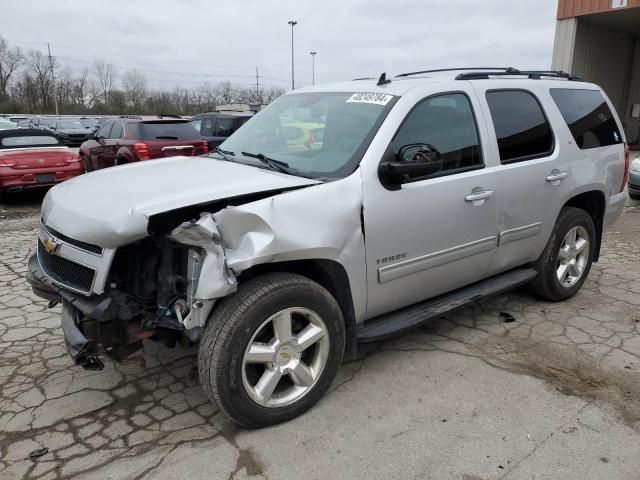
375, 98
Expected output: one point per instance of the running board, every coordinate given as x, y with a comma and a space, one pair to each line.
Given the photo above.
390, 324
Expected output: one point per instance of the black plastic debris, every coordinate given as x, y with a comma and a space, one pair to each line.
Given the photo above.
37, 453
508, 318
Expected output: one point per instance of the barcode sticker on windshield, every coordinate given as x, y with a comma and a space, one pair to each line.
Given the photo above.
375, 98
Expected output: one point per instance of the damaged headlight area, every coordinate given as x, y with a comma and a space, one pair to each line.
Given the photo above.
161, 288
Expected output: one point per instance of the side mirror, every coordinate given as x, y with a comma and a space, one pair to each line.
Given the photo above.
412, 161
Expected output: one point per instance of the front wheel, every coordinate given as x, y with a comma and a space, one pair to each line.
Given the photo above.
566, 260
271, 350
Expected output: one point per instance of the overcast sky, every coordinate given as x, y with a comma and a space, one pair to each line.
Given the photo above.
212, 40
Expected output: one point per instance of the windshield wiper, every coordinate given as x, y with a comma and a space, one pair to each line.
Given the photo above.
272, 163
225, 154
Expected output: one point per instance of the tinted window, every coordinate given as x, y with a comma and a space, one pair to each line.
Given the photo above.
521, 127
168, 131
224, 126
116, 132
29, 141
208, 126
447, 123
588, 116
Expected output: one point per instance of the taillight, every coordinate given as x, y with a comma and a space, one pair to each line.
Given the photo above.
205, 147
7, 163
627, 156
71, 158
142, 150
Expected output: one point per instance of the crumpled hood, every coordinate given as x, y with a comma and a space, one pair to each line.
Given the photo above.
111, 207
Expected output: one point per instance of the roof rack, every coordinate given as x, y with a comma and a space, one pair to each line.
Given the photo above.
513, 72
452, 70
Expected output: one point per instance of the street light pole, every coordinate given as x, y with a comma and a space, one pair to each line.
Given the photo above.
293, 23
313, 67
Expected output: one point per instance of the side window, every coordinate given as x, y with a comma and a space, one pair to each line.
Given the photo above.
446, 123
104, 131
197, 124
588, 117
207, 128
521, 127
224, 127
116, 131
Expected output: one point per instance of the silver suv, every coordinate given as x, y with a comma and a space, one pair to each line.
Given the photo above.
416, 195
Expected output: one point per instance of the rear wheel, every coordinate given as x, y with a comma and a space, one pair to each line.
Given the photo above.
634, 196
567, 258
271, 350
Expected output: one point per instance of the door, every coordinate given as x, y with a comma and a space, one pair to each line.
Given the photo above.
433, 234
112, 144
534, 176
97, 149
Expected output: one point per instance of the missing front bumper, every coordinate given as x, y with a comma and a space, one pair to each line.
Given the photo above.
91, 325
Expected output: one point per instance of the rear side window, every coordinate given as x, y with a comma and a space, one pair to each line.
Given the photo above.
225, 126
522, 130
168, 131
588, 117
116, 131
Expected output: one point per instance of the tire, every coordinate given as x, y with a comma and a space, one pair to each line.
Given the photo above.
634, 196
84, 162
547, 284
249, 317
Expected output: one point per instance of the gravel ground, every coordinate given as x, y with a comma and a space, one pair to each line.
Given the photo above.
553, 394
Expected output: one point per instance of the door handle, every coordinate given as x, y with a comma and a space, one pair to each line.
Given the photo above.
480, 195
557, 176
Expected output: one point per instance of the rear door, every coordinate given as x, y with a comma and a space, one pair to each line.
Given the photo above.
533, 175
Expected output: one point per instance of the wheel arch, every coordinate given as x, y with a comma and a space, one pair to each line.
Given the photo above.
328, 273
594, 203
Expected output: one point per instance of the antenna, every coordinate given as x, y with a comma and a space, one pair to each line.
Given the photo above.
383, 79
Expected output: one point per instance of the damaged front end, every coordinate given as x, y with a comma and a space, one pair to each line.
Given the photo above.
161, 288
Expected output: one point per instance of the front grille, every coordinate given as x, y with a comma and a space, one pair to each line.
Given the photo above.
65, 272
76, 243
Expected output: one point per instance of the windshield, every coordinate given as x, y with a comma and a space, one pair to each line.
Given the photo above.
69, 125
316, 134
7, 125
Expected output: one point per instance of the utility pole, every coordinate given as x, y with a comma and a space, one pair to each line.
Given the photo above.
53, 79
258, 99
313, 67
293, 23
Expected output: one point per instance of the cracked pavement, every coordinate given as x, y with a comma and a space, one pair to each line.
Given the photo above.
553, 394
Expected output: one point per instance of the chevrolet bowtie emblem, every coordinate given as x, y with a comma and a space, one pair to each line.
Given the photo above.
50, 245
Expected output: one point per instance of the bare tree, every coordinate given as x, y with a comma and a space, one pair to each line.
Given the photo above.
225, 92
40, 70
105, 74
135, 88
10, 60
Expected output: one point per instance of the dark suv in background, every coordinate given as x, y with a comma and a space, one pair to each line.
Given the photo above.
122, 140
215, 127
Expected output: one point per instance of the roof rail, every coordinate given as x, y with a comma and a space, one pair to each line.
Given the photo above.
512, 72
453, 70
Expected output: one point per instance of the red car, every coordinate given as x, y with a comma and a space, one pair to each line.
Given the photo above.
31, 158
124, 140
